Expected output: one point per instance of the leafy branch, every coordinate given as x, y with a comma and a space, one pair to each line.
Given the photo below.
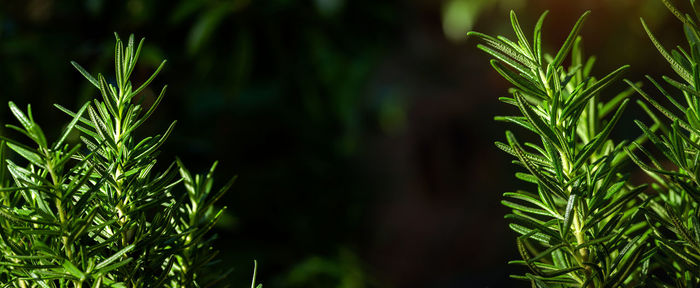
96, 213
579, 226
672, 211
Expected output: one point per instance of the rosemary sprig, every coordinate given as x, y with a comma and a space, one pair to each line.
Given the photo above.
97, 213
579, 225
672, 211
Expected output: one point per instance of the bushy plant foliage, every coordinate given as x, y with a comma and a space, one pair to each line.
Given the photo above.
673, 211
101, 212
577, 222
581, 222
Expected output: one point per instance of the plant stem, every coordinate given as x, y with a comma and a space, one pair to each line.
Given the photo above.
59, 208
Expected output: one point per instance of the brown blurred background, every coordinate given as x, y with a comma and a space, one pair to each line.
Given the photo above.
362, 131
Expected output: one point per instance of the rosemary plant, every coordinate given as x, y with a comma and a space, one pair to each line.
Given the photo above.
673, 212
98, 213
578, 223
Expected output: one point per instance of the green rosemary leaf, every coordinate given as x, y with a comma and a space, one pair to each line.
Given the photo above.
648, 168
71, 114
82, 228
7, 213
666, 94
566, 47
111, 267
106, 98
568, 215
679, 228
531, 233
663, 110
683, 87
599, 139
599, 197
522, 40
220, 193
626, 268
64, 157
555, 96
18, 129
675, 65
674, 10
37, 231
682, 58
149, 112
29, 266
539, 272
105, 133
524, 208
85, 74
528, 225
107, 123
136, 54
537, 37
577, 101
70, 126
613, 206
29, 257
505, 59
632, 245
526, 177
576, 61
691, 34
148, 81
33, 131
542, 179
588, 66
156, 142
541, 127
531, 199
539, 160
72, 270
525, 255
118, 60
511, 44
696, 226
505, 49
114, 257
669, 249
594, 242
651, 136
27, 154
521, 83
546, 252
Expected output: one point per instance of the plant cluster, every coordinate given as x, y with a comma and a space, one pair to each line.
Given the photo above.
583, 223
98, 212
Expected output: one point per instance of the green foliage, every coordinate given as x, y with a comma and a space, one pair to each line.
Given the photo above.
579, 224
672, 211
621, 237
96, 213
345, 270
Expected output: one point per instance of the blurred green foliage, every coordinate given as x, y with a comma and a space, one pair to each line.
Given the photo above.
344, 270
459, 16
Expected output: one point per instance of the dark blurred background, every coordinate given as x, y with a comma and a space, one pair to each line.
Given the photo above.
361, 130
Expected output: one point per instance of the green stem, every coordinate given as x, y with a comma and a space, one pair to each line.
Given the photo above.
61, 211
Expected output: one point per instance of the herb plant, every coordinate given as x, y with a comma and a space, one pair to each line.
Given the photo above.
672, 211
577, 222
101, 212
583, 224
